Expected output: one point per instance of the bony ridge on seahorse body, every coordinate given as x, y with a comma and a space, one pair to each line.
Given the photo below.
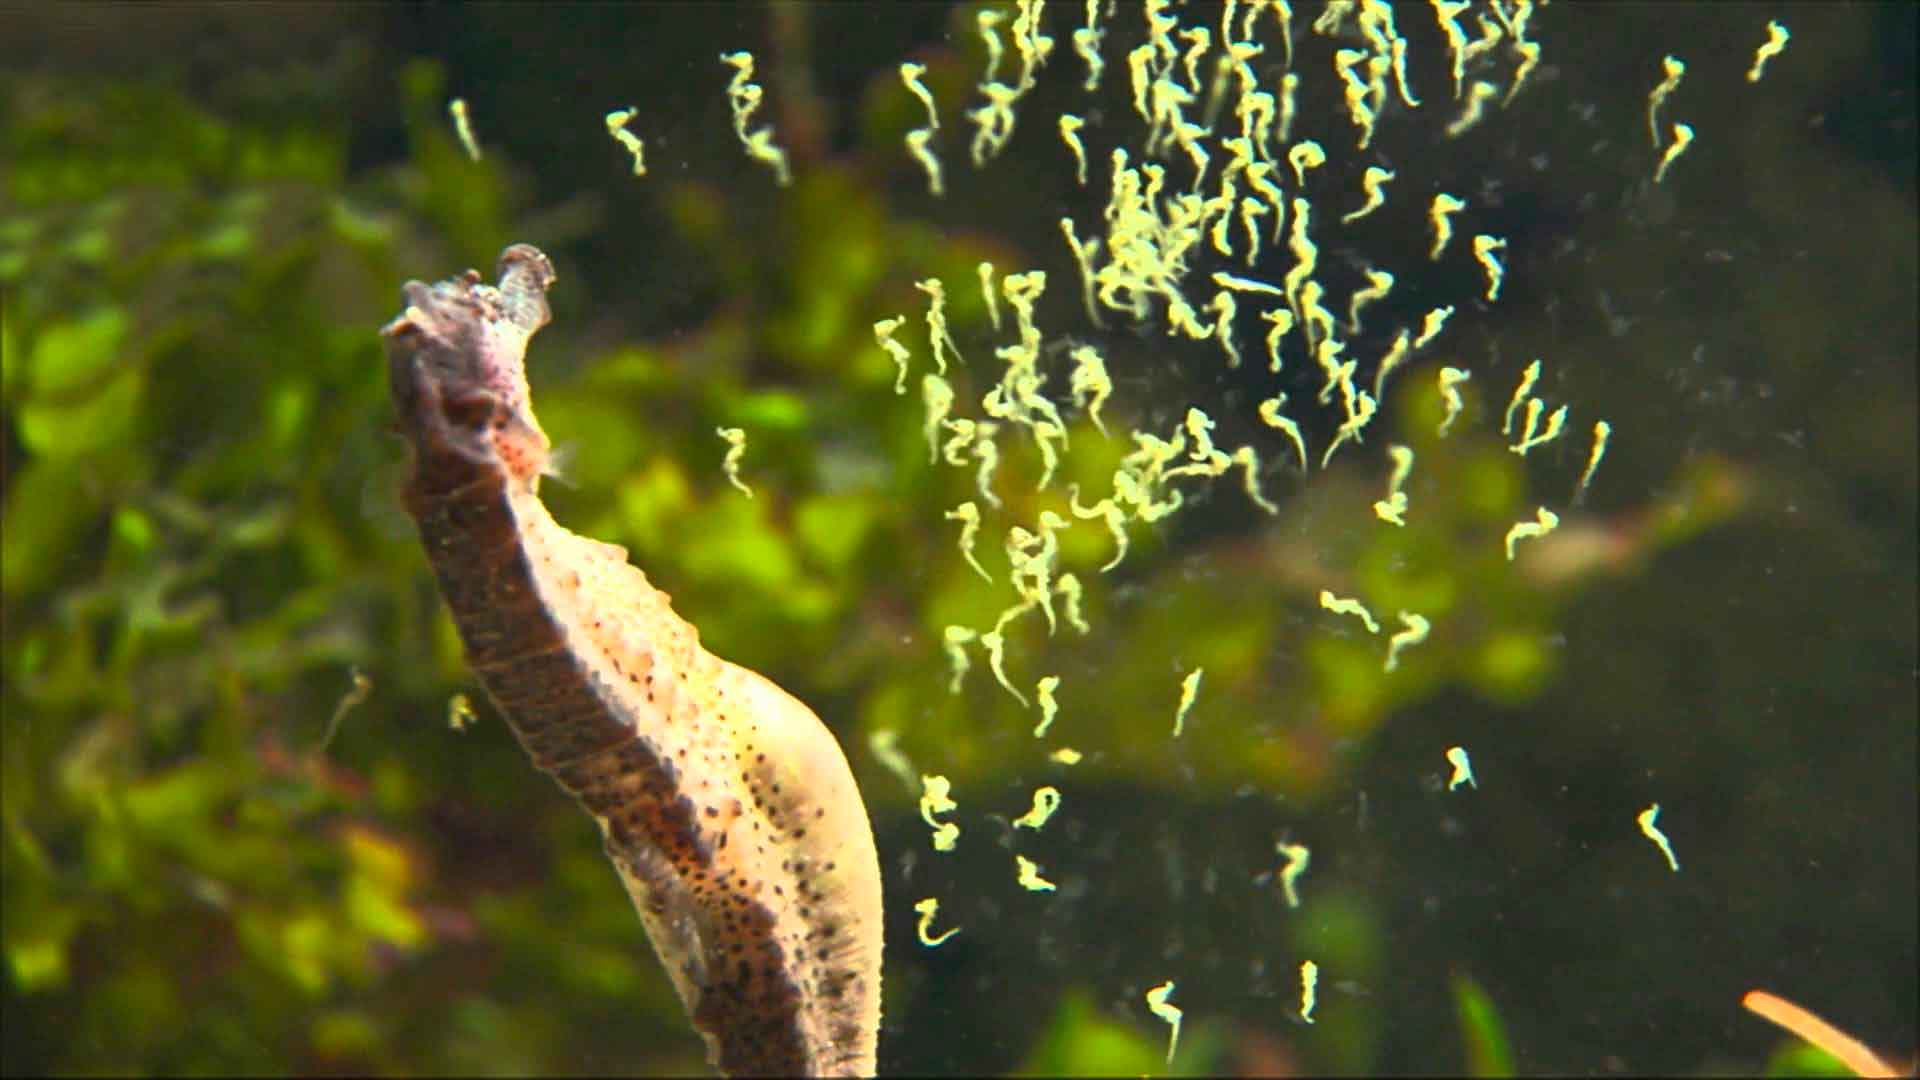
727, 807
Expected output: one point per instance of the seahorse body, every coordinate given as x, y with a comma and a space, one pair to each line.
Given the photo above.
727, 807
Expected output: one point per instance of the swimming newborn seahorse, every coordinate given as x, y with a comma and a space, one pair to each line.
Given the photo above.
726, 805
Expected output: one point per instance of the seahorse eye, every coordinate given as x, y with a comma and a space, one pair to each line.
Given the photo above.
471, 411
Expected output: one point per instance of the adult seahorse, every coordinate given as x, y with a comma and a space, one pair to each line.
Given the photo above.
726, 805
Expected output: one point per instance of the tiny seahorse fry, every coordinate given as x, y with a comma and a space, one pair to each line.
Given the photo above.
736, 440
1298, 857
1167, 1011
726, 806
460, 715
927, 909
463, 127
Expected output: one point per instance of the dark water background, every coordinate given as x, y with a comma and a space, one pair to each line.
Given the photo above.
209, 210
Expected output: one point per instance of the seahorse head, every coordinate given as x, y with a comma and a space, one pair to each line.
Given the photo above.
457, 364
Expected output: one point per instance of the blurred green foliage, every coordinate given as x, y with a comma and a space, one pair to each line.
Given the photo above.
1801, 1059
1488, 1052
189, 379
203, 547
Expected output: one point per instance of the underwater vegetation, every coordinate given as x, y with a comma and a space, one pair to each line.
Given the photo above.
259, 816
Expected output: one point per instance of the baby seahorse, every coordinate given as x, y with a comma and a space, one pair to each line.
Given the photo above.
726, 806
